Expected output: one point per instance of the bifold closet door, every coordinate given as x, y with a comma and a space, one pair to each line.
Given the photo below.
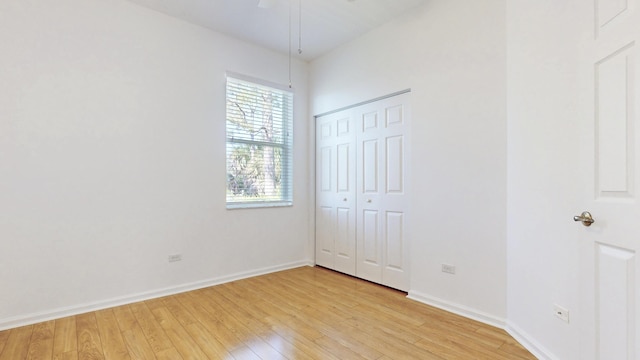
382, 201
336, 193
361, 191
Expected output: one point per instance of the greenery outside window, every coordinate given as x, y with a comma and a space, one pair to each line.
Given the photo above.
259, 143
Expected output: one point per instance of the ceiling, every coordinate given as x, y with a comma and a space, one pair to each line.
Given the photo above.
326, 24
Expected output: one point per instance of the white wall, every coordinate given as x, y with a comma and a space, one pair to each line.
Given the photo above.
112, 157
543, 172
451, 53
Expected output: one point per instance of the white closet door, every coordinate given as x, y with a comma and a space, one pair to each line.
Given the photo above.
382, 251
335, 192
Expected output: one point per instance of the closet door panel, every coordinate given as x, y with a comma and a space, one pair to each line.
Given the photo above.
395, 165
395, 201
335, 193
382, 189
369, 165
324, 236
325, 159
369, 252
395, 270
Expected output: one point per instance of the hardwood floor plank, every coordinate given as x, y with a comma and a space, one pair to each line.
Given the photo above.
317, 290
291, 323
460, 344
298, 332
65, 339
513, 350
17, 345
208, 317
126, 319
244, 353
266, 326
288, 349
338, 349
155, 334
389, 344
137, 344
302, 314
89, 343
4, 335
390, 330
294, 332
247, 328
70, 355
444, 351
221, 321
169, 354
264, 350
178, 311
489, 332
278, 291
41, 346
309, 347
153, 304
112, 341
207, 341
182, 341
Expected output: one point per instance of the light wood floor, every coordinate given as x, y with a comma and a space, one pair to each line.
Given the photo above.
305, 313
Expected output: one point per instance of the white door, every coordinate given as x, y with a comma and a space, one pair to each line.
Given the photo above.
382, 251
335, 193
610, 156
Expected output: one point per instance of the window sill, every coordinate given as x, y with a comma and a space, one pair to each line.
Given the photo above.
258, 205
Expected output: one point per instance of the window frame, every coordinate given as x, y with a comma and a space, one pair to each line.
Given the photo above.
286, 145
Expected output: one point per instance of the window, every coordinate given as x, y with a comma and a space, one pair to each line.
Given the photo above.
259, 144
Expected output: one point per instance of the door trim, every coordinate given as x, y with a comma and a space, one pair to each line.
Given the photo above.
363, 103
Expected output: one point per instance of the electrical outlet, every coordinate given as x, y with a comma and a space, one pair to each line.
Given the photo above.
174, 257
561, 313
449, 269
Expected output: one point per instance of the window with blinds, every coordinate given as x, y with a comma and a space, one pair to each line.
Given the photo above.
259, 144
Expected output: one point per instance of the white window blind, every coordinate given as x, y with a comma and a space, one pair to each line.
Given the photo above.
259, 144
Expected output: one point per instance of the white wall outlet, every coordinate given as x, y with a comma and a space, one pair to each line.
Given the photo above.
174, 257
449, 269
561, 313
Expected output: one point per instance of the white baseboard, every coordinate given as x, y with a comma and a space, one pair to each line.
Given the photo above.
29, 319
518, 334
458, 309
529, 342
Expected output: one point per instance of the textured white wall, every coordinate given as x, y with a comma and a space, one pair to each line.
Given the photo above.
112, 156
452, 54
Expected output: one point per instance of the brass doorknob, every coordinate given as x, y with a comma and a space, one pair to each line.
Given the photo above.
585, 218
